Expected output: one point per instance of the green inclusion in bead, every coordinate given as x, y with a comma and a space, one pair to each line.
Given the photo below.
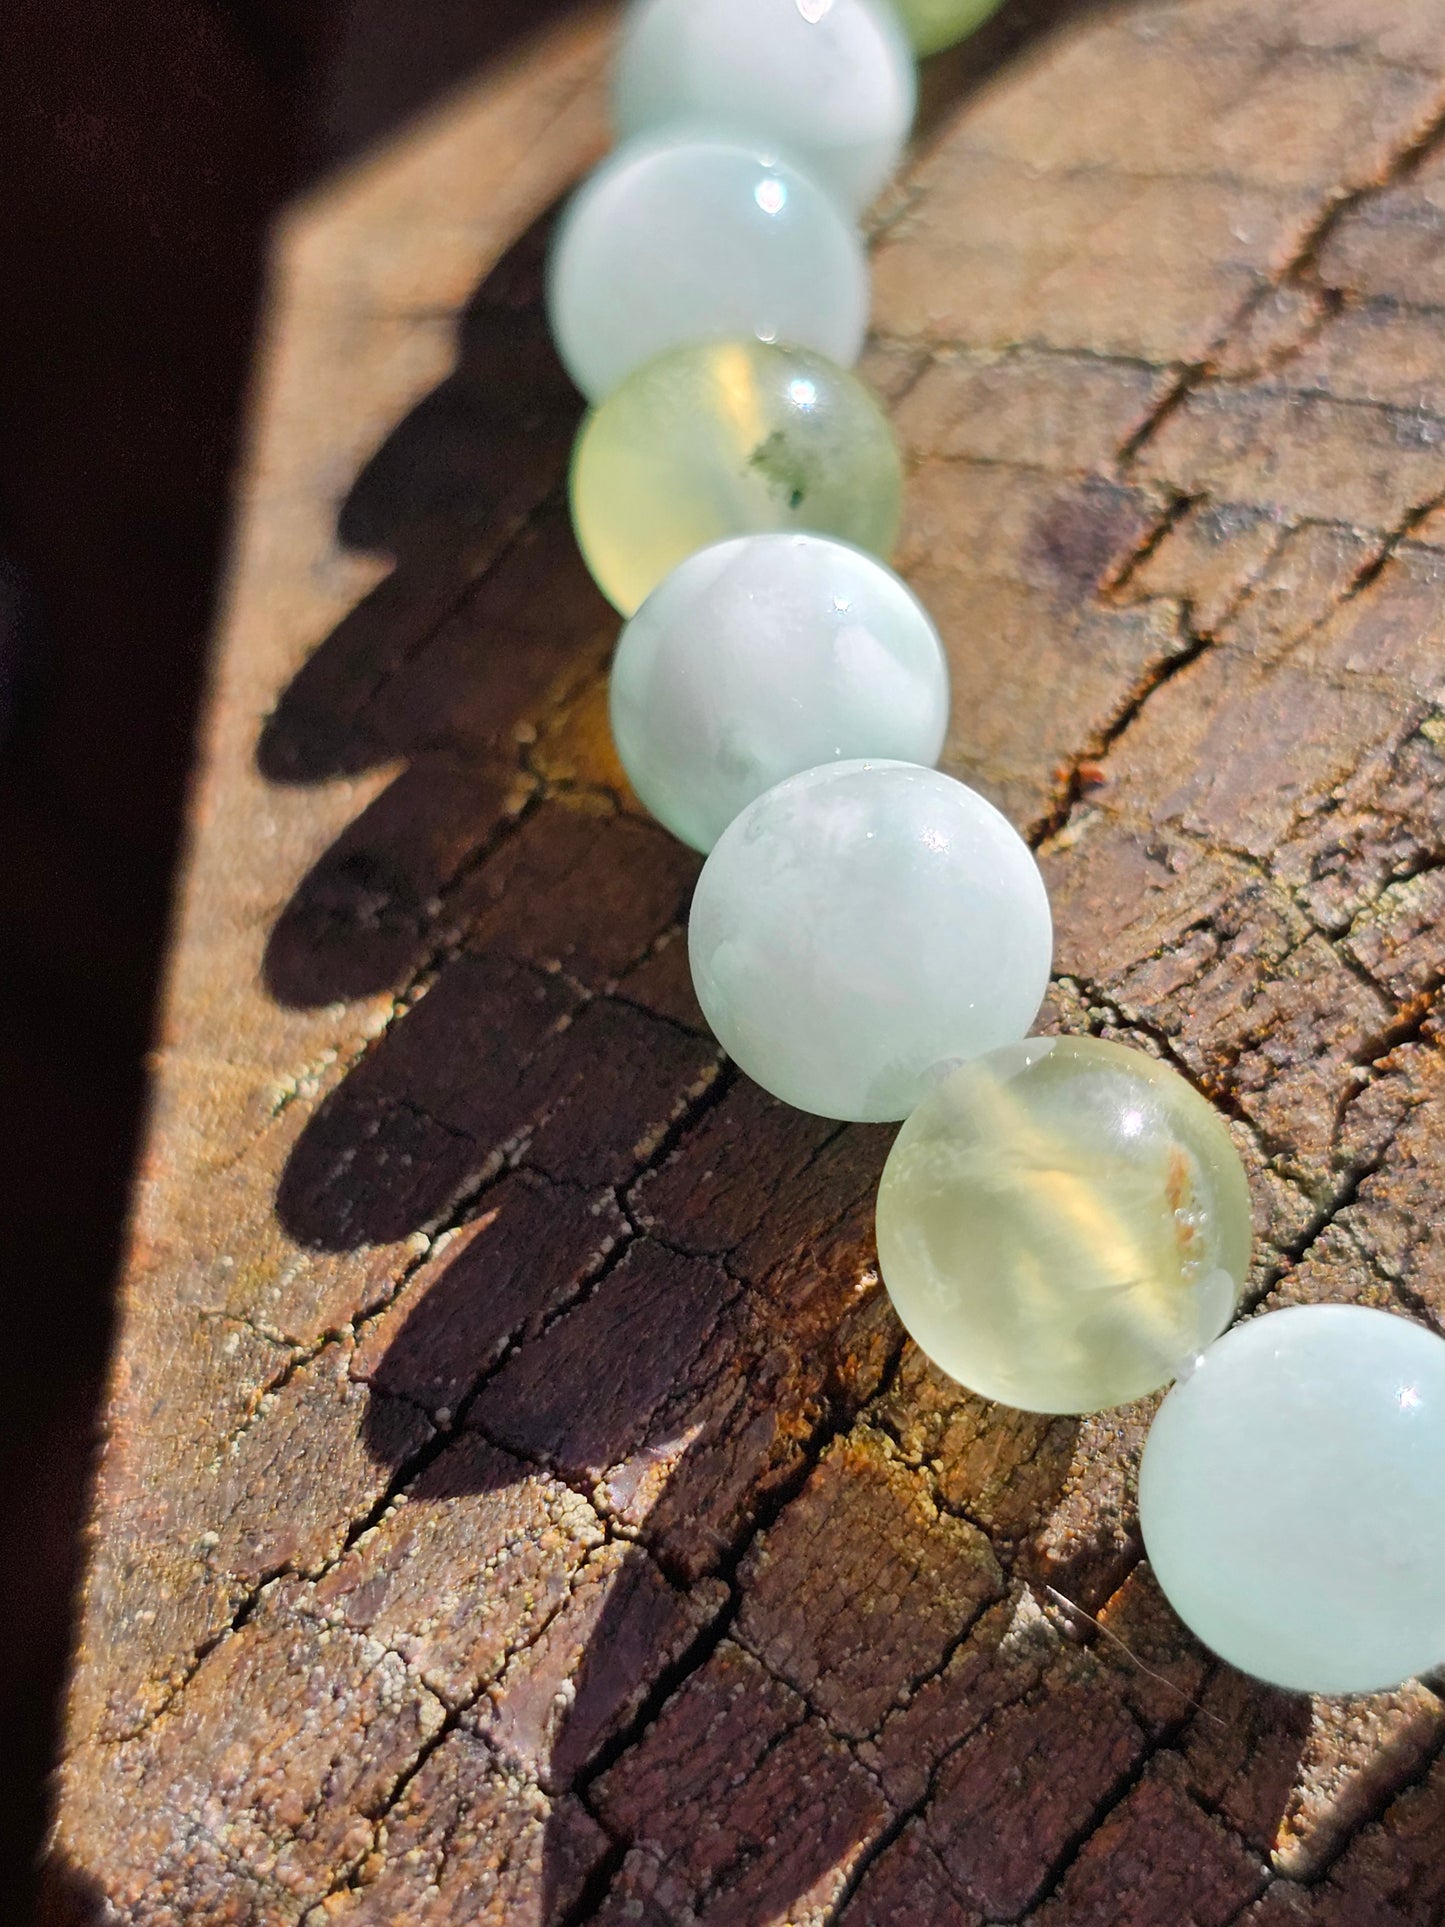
725, 438
1063, 1224
932, 25
1292, 1498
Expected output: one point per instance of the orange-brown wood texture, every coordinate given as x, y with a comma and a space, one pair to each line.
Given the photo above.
518, 1503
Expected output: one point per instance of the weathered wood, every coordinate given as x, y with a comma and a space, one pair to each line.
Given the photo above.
517, 1503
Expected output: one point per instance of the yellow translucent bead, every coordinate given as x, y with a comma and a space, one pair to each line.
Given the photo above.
1064, 1224
716, 439
932, 25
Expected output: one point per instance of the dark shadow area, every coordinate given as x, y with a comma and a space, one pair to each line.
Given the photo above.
142, 150
654, 1377
1017, 28
374, 79
488, 604
69, 1898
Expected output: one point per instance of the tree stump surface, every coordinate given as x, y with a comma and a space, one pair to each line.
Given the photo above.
517, 1501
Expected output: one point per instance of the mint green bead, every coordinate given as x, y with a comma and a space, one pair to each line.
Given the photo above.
728, 438
1063, 1224
932, 25
764, 656
861, 926
676, 240
1292, 1498
831, 82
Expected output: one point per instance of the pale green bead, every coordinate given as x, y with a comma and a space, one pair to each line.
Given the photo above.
1292, 1498
675, 240
1063, 1224
861, 925
932, 25
830, 81
728, 438
767, 655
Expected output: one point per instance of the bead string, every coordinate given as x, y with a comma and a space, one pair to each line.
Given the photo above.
1063, 1223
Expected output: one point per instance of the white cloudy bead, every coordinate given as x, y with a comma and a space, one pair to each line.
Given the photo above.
833, 82
861, 928
1292, 1498
677, 240
767, 655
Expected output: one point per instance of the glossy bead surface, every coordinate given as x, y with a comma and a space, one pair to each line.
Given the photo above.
764, 656
932, 25
861, 925
832, 82
1063, 1224
688, 240
728, 438
1292, 1498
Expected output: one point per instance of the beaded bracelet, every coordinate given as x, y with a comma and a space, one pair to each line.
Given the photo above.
1064, 1222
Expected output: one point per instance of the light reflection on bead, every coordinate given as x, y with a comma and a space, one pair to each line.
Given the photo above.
1063, 1223
767, 655
860, 925
1292, 1498
689, 240
831, 82
728, 438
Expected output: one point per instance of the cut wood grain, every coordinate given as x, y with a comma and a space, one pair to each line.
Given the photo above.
518, 1502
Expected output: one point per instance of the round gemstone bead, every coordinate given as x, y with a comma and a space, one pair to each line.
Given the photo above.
1292, 1498
764, 656
831, 82
728, 438
1063, 1224
861, 925
677, 240
932, 25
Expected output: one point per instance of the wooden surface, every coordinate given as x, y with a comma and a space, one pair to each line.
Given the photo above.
517, 1503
